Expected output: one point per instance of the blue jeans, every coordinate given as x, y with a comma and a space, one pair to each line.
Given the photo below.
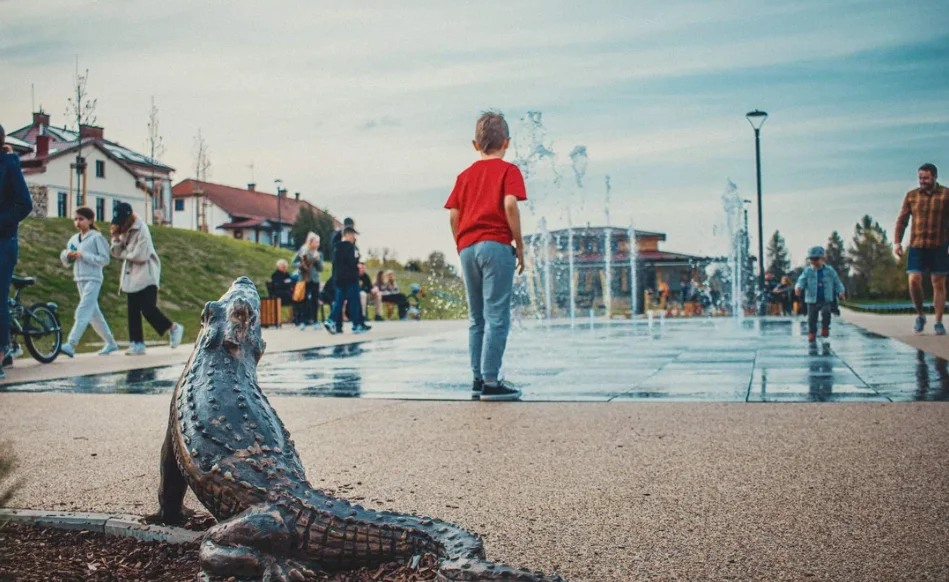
350, 295
9, 252
488, 268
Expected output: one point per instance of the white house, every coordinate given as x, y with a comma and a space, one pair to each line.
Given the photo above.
242, 213
113, 173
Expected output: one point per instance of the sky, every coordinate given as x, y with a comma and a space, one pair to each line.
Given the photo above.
369, 111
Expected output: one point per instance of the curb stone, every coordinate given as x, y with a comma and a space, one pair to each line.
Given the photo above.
105, 523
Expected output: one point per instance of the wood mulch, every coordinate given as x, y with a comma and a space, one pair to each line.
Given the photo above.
29, 553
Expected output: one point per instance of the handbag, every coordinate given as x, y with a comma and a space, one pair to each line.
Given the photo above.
299, 291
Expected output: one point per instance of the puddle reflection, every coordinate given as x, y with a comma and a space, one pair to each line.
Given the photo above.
712, 360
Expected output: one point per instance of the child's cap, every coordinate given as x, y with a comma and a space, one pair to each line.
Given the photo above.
815, 253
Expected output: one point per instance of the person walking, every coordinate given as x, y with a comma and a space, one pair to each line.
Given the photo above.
87, 252
309, 263
820, 286
141, 274
928, 205
348, 223
15, 205
485, 221
346, 273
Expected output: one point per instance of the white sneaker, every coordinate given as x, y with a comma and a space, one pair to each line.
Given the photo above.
177, 332
108, 349
302, 326
136, 349
316, 327
68, 349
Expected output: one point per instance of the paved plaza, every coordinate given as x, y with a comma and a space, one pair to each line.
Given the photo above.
658, 470
711, 360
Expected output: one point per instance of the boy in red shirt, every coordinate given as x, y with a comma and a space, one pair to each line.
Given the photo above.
485, 221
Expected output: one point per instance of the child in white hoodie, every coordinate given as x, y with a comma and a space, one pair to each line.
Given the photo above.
87, 252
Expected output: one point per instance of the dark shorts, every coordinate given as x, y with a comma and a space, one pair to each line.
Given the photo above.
934, 260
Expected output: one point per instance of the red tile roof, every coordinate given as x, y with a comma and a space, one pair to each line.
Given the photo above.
245, 204
244, 223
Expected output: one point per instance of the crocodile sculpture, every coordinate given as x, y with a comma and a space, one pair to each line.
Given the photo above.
226, 442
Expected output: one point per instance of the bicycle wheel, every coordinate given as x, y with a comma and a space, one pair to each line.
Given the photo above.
43, 334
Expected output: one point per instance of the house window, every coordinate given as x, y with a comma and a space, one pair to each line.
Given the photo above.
100, 169
61, 205
100, 209
179, 205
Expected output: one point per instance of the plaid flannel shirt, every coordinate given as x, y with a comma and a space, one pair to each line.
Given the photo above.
930, 212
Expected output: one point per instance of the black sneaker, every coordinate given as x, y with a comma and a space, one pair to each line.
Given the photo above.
379, 318
499, 391
477, 386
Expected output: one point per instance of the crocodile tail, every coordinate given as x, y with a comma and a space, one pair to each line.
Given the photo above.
461, 554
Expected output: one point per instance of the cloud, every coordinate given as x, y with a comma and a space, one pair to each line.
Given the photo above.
384, 121
657, 92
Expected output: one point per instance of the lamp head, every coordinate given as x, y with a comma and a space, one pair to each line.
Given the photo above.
756, 118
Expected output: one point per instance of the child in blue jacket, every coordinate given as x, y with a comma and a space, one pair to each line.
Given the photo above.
821, 286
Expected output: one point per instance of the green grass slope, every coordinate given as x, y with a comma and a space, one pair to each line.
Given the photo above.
196, 268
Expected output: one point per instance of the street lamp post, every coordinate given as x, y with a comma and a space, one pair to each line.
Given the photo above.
757, 118
278, 182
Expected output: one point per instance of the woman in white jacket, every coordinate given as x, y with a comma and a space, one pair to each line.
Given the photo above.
141, 273
87, 252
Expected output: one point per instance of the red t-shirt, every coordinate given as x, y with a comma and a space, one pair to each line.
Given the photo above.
479, 197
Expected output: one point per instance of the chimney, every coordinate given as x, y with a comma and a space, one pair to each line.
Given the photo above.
91, 131
40, 118
296, 195
252, 187
42, 145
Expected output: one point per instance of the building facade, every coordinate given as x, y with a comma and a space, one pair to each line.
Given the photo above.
241, 213
605, 273
111, 173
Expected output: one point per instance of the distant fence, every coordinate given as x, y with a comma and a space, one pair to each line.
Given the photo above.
887, 308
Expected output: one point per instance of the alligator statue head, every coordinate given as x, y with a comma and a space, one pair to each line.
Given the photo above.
225, 441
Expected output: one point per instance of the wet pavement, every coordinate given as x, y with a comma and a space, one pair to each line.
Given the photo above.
715, 360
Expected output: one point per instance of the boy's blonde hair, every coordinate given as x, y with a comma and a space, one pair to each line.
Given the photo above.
491, 132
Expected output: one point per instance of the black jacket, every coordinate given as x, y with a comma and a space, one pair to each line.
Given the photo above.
282, 283
15, 200
365, 283
345, 264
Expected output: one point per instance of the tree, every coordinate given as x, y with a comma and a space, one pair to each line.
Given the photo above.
83, 110
309, 221
836, 256
875, 272
778, 262
202, 158
156, 148
202, 168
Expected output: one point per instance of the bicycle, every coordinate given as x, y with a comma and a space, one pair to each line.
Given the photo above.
37, 324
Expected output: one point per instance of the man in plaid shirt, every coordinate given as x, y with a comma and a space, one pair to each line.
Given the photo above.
928, 243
